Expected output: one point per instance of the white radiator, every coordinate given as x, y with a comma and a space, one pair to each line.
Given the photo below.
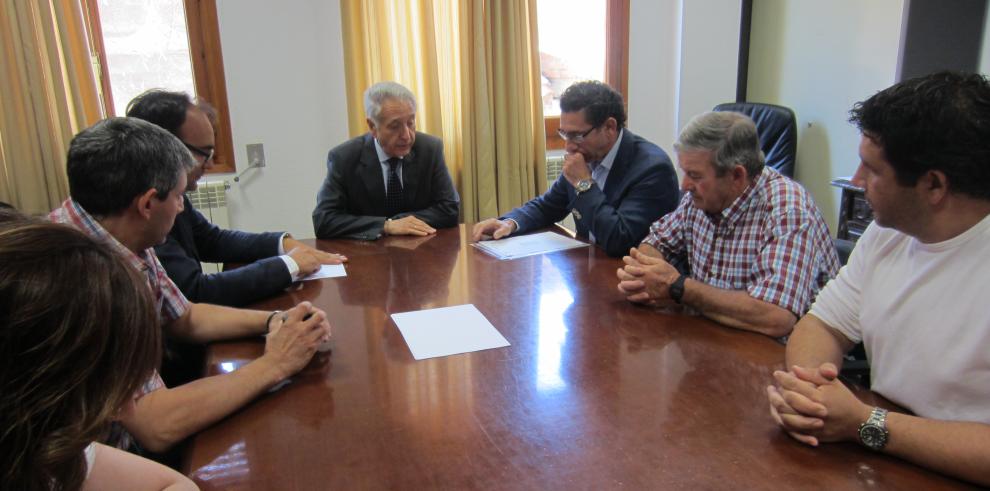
210, 199
555, 163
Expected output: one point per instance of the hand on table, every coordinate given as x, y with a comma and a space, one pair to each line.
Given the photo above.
308, 258
494, 228
408, 225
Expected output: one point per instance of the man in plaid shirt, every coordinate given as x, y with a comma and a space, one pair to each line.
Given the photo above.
126, 181
746, 247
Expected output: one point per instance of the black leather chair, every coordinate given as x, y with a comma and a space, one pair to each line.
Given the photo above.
777, 128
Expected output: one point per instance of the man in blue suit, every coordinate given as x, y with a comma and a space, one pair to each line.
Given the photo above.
613, 182
273, 259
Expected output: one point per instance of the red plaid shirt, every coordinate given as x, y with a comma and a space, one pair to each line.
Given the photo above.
771, 241
171, 303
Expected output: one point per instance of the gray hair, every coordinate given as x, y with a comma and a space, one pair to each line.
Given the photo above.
118, 159
730, 136
377, 94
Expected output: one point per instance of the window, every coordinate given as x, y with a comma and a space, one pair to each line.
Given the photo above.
168, 44
575, 44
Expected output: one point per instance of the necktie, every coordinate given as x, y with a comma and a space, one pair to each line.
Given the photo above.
393, 192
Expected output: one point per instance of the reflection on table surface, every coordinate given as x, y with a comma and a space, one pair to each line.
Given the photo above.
593, 393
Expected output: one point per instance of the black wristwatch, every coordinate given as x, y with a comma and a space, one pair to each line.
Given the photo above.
676, 289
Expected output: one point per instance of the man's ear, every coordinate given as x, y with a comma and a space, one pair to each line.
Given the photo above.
739, 174
144, 202
611, 124
936, 185
371, 124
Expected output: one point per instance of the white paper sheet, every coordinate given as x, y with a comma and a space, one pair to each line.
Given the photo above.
327, 271
447, 331
528, 245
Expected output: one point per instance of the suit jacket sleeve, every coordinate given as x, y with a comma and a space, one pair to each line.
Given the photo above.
216, 245
331, 217
444, 201
542, 211
250, 283
651, 194
645, 189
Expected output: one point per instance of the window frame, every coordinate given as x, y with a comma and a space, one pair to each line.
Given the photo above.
616, 64
206, 57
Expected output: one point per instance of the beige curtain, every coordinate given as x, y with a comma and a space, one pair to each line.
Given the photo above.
474, 67
48, 92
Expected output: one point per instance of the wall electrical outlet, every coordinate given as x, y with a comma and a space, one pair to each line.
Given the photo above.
256, 154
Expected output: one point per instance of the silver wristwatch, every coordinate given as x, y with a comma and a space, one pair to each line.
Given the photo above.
584, 185
873, 433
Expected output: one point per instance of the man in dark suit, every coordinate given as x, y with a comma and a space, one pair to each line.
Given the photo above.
274, 259
613, 182
389, 181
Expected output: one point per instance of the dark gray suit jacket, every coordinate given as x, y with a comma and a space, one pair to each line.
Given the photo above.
351, 202
641, 187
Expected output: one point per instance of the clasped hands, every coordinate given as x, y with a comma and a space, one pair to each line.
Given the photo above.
295, 336
813, 406
646, 277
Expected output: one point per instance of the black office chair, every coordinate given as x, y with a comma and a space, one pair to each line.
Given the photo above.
777, 128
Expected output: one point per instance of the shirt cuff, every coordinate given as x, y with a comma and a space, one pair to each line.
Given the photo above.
291, 265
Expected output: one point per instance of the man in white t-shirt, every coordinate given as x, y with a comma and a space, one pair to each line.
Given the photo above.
913, 291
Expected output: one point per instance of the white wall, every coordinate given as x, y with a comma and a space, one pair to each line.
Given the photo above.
709, 56
285, 87
654, 47
819, 58
683, 59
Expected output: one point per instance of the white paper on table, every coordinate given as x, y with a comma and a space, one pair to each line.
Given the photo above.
447, 331
327, 271
528, 245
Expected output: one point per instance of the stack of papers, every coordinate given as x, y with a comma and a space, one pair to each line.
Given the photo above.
528, 245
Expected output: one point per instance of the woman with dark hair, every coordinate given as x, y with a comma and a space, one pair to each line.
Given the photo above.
78, 336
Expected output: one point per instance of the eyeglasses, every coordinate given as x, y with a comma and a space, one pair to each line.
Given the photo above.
577, 136
205, 153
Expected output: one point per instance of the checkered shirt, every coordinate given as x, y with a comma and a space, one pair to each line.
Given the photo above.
771, 241
171, 303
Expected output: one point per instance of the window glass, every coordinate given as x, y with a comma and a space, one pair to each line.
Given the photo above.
572, 46
146, 47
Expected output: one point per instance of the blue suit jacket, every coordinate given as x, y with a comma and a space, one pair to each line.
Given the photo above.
194, 239
641, 187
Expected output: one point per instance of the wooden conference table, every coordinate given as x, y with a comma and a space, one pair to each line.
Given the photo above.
593, 393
